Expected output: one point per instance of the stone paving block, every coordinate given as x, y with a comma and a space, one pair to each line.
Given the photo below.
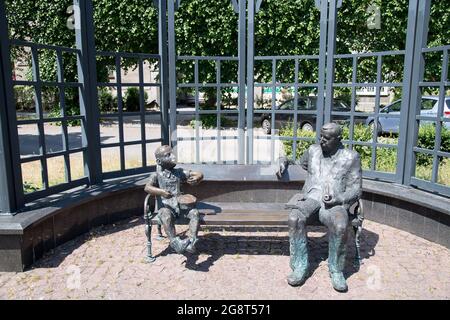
251, 264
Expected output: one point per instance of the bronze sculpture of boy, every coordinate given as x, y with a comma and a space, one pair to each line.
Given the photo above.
171, 203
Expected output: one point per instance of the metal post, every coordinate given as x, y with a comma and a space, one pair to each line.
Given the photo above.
250, 78
322, 62
172, 75
241, 80
163, 70
406, 93
420, 40
87, 76
331, 45
11, 188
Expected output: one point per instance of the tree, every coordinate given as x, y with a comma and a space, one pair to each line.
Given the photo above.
206, 27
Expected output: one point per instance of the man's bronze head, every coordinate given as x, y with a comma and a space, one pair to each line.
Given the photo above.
165, 158
330, 137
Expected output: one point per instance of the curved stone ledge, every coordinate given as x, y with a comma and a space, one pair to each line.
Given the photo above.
46, 224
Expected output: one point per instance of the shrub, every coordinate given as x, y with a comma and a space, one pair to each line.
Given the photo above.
386, 158
209, 121
302, 145
106, 102
24, 97
132, 99
426, 139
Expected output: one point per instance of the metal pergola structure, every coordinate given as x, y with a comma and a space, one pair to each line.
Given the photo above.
13, 198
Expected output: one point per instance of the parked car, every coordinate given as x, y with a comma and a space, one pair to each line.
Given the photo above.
429, 107
305, 122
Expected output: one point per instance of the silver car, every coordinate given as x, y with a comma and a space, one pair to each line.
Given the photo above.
429, 107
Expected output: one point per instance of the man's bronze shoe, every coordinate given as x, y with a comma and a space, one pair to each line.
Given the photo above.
297, 277
338, 281
179, 245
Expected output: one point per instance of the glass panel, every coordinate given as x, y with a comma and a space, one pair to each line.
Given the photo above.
365, 99
110, 159
392, 68
131, 99
285, 71
70, 66
77, 165
54, 139
185, 71
427, 135
32, 176
428, 104
25, 101
150, 153
56, 171
152, 99
367, 70
152, 126
208, 129
424, 166
132, 129
207, 71
21, 63
229, 71
229, 147
308, 71
386, 160
72, 99
51, 102
28, 140
263, 71
261, 150
343, 70
75, 137
207, 98
186, 128
109, 130
433, 66
47, 65
263, 98
129, 70
444, 171
229, 98
365, 152
107, 99
151, 71
133, 156
106, 69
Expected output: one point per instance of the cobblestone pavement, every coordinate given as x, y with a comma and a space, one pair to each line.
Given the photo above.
108, 263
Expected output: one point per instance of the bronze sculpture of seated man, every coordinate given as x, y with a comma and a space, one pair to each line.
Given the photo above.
332, 185
171, 203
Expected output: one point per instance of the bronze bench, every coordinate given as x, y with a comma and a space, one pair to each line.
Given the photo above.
245, 214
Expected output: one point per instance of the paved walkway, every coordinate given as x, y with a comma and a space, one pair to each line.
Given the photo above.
108, 264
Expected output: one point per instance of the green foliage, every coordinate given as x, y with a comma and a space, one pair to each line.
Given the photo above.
386, 158
302, 145
29, 187
209, 121
132, 99
209, 28
24, 97
106, 102
426, 140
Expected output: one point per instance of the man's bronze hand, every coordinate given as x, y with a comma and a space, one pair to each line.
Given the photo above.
167, 194
284, 163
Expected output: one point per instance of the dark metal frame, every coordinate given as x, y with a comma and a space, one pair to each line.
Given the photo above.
11, 185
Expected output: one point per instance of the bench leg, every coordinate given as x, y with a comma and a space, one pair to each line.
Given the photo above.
148, 233
160, 236
357, 260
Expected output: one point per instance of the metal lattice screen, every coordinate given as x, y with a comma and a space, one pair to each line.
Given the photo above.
242, 108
